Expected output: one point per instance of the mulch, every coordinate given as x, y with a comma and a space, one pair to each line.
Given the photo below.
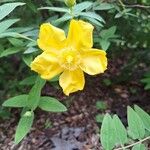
77, 129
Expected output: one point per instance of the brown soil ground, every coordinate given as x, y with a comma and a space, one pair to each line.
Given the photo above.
77, 129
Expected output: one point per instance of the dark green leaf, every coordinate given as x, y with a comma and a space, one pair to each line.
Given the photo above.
27, 59
10, 51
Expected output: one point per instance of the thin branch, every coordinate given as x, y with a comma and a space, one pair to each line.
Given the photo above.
131, 145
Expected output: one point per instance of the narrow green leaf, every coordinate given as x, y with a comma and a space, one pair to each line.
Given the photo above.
104, 6
82, 6
16, 42
64, 18
24, 126
146, 80
27, 59
17, 101
107, 133
139, 147
7, 8
57, 9
145, 117
51, 104
29, 80
94, 21
30, 50
35, 93
92, 15
120, 131
4, 25
10, 51
147, 87
135, 124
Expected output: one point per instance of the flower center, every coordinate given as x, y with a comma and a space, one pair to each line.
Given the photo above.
69, 59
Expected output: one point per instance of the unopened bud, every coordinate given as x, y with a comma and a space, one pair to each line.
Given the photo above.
27, 114
70, 3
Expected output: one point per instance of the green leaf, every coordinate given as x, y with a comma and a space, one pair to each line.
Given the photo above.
4, 25
104, 6
56, 9
15, 35
139, 147
16, 42
6, 9
64, 18
30, 50
17, 101
120, 131
94, 21
35, 93
24, 126
101, 105
104, 44
99, 118
92, 15
82, 6
55, 79
107, 134
147, 87
51, 104
108, 33
135, 124
10, 51
145, 117
27, 59
29, 80
145, 80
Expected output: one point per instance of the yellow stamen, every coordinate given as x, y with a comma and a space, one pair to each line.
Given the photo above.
69, 59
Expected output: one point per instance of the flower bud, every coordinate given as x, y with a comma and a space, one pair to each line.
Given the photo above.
70, 3
28, 114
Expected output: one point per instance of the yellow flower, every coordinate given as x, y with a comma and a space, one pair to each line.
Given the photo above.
69, 56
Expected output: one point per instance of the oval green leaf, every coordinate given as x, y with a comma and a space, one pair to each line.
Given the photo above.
107, 134
51, 104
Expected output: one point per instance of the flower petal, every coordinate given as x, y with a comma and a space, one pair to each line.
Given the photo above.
50, 37
80, 34
94, 61
46, 65
72, 81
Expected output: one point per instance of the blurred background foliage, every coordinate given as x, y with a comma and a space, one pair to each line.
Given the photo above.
122, 28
